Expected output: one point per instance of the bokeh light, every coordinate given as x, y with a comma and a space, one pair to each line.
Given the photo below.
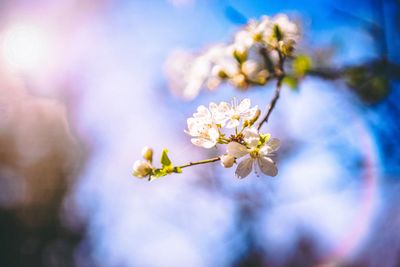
26, 47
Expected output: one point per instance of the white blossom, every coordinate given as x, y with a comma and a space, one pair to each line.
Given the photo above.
262, 30
254, 32
289, 30
259, 154
248, 59
230, 115
188, 73
202, 128
185, 74
255, 67
141, 168
219, 112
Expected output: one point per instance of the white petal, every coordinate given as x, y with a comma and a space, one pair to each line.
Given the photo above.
237, 150
202, 142
219, 112
251, 136
202, 112
253, 142
213, 133
244, 105
224, 107
249, 114
267, 166
250, 132
274, 144
213, 107
191, 122
232, 124
244, 168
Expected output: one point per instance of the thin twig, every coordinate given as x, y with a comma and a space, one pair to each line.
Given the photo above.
200, 162
272, 103
280, 76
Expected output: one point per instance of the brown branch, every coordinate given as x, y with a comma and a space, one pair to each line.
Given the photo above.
272, 104
199, 162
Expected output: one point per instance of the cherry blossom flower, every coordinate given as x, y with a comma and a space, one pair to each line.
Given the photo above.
288, 33
238, 111
253, 32
259, 148
255, 51
289, 29
202, 128
188, 73
254, 67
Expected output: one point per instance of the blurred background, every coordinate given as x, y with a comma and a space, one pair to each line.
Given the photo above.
82, 90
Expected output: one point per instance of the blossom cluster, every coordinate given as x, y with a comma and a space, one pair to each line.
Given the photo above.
207, 126
230, 125
252, 58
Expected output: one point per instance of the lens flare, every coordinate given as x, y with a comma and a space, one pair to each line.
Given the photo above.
25, 47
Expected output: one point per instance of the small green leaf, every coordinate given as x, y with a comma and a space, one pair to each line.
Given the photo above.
165, 161
301, 65
291, 81
264, 138
157, 173
278, 32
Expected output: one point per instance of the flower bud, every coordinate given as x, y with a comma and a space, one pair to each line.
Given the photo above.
255, 117
147, 153
239, 80
227, 160
141, 168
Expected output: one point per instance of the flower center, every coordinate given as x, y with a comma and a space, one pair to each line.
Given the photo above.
235, 117
254, 153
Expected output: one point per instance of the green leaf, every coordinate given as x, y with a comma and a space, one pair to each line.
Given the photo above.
165, 161
301, 65
264, 138
291, 81
278, 32
157, 173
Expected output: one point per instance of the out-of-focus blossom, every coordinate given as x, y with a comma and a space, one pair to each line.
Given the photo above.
259, 148
254, 67
251, 59
188, 73
254, 31
288, 29
186, 77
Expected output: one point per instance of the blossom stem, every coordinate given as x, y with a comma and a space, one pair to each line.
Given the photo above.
272, 104
205, 161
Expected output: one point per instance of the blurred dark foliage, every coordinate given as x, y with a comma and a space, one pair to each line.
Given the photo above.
39, 158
